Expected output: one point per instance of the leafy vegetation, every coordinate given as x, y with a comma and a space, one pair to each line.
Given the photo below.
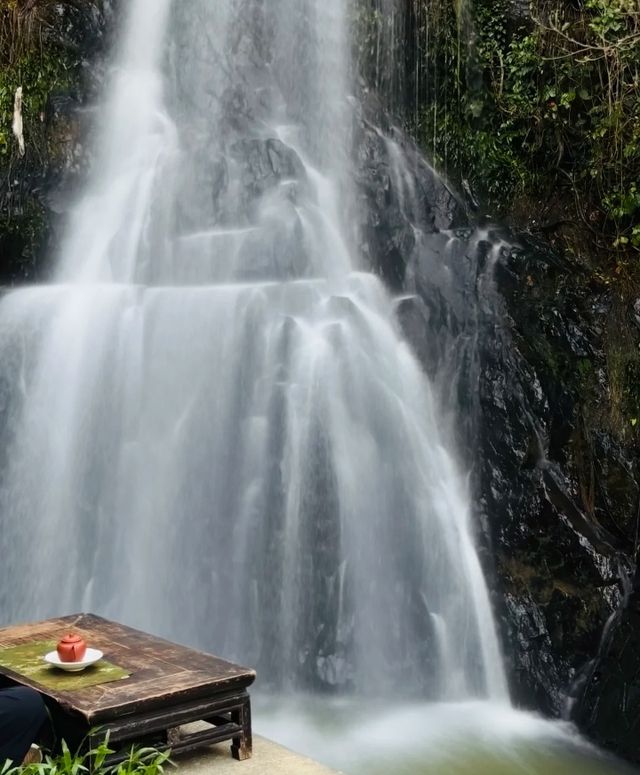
41, 52
139, 761
30, 58
532, 109
536, 108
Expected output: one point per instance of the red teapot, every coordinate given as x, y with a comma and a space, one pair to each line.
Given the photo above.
71, 648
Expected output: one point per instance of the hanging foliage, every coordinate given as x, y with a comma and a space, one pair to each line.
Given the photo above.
534, 104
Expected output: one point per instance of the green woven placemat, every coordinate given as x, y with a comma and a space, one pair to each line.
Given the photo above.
26, 660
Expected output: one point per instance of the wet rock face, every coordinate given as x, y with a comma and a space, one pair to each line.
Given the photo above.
554, 570
609, 710
68, 123
521, 336
519, 342
557, 564
398, 190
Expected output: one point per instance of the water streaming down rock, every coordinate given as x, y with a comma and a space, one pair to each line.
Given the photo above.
211, 421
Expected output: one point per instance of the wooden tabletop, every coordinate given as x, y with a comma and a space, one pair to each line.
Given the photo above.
161, 673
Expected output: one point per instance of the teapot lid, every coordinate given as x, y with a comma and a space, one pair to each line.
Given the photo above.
71, 638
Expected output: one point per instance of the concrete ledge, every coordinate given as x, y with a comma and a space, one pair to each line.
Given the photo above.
268, 758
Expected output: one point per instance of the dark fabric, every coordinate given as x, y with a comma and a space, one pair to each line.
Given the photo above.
22, 714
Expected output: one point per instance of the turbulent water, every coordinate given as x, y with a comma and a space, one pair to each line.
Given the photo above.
463, 738
212, 428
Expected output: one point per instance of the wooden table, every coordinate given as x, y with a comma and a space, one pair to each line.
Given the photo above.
169, 686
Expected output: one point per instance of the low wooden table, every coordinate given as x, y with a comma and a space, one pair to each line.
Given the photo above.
169, 686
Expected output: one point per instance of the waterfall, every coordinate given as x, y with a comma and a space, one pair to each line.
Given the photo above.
212, 426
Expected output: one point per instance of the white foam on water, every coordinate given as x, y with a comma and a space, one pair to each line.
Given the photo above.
459, 738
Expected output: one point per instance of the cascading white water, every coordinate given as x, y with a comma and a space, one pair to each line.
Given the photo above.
213, 427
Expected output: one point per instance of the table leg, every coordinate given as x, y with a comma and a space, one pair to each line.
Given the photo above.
242, 746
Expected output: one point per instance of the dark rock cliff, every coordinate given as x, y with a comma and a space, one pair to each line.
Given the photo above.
540, 356
563, 523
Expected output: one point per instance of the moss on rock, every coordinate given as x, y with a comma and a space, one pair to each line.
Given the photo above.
50, 50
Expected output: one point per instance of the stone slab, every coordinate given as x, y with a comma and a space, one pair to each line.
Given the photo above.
268, 758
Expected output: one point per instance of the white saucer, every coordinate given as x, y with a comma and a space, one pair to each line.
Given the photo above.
91, 657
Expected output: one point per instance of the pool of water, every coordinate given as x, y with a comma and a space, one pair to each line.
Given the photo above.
470, 738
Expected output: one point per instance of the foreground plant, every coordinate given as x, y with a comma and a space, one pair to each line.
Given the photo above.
139, 761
